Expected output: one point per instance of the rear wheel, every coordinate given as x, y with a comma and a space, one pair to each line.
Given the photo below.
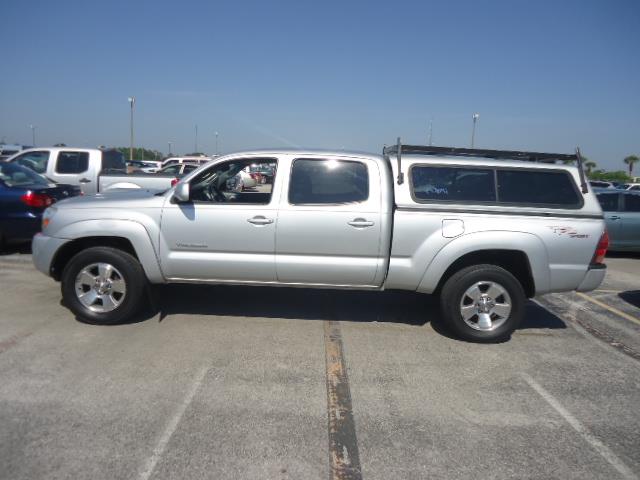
103, 285
483, 303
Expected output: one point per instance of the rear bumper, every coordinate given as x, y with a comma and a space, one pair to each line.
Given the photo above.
593, 278
43, 250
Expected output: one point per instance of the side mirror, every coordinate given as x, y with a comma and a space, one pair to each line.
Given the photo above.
181, 193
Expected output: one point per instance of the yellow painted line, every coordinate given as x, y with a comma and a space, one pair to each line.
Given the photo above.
611, 309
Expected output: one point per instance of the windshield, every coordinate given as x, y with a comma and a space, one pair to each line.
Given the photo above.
13, 175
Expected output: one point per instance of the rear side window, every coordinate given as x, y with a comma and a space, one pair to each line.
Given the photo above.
328, 182
453, 184
113, 161
72, 162
537, 187
608, 201
632, 203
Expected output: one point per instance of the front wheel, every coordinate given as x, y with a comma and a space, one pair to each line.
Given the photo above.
483, 303
103, 285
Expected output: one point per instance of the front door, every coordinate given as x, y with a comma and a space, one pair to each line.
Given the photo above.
329, 224
225, 233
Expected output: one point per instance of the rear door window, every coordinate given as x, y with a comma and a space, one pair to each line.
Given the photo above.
632, 203
113, 162
536, 187
320, 181
72, 162
452, 184
608, 201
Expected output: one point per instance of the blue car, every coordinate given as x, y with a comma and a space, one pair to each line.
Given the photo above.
24, 195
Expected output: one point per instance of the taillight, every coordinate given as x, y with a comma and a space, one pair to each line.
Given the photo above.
601, 249
174, 181
37, 200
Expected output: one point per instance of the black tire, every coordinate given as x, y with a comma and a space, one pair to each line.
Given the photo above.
129, 269
453, 293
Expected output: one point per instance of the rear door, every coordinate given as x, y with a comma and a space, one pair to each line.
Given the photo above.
630, 229
610, 203
329, 223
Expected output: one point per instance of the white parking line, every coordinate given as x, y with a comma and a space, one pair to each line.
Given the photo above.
150, 465
600, 447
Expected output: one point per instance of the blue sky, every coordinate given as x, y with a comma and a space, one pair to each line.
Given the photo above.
544, 75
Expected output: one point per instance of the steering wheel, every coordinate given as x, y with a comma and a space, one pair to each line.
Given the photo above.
213, 193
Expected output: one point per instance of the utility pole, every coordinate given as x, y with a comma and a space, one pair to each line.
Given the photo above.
196, 149
473, 131
430, 132
169, 147
132, 101
33, 134
217, 153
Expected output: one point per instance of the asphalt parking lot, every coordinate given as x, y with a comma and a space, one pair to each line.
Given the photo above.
240, 382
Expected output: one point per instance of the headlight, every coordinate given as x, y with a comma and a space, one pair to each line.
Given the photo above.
47, 216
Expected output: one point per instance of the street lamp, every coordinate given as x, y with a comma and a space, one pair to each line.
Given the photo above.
33, 134
132, 101
217, 143
169, 147
196, 144
473, 131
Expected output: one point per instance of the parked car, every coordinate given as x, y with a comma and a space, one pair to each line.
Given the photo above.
243, 180
7, 150
178, 169
601, 184
94, 170
622, 215
24, 195
634, 187
145, 166
179, 160
493, 232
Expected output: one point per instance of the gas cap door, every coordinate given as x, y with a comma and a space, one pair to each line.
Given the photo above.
452, 227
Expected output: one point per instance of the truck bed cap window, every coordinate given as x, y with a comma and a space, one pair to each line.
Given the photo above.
452, 184
493, 185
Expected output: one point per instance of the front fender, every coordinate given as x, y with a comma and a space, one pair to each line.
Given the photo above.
528, 243
133, 231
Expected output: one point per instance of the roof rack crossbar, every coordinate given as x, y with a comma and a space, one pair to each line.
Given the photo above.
476, 152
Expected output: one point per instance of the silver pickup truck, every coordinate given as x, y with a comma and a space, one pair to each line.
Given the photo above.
93, 169
483, 229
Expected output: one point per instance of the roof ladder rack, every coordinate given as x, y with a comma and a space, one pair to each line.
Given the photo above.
400, 174
583, 180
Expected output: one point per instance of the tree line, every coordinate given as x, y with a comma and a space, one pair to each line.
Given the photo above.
616, 176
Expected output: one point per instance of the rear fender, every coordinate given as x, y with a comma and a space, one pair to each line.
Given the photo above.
528, 243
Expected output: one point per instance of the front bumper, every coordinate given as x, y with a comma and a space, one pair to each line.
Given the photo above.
43, 251
593, 278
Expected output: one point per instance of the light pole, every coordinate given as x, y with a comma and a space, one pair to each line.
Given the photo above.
132, 101
217, 143
169, 147
473, 131
196, 145
33, 134
430, 132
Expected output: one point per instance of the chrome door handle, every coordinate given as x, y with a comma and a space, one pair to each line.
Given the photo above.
84, 180
260, 220
614, 217
361, 223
